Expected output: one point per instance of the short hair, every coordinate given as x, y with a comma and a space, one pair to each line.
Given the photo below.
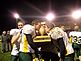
36, 21
50, 25
76, 28
22, 21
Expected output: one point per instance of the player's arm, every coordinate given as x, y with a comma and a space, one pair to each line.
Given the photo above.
62, 48
15, 38
30, 41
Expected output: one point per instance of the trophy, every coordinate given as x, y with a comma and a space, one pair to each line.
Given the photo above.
42, 30
42, 37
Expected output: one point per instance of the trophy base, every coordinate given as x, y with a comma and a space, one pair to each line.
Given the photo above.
42, 39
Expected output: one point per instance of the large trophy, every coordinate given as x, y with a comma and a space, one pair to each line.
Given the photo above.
42, 40
43, 37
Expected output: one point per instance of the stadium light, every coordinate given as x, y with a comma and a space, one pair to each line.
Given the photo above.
50, 16
16, 15
76, 14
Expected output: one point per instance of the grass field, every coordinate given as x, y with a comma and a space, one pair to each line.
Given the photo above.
4, 56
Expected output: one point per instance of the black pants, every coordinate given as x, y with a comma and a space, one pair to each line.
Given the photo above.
49, 55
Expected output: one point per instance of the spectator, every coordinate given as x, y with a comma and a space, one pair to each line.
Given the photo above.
9, 46
4, 41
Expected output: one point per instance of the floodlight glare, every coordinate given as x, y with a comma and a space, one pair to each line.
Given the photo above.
16, 15
50, 16
76, 14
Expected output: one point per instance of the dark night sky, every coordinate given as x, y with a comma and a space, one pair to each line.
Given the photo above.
32, 8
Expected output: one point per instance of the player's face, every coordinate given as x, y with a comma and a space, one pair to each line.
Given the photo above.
47, 29
37, 26
20, 25
4, 32
8, 32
